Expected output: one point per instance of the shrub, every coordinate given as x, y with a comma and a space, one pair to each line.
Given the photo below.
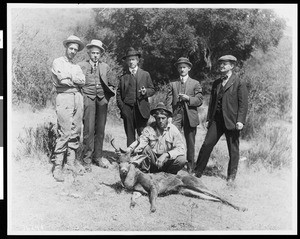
272, 146
39, 140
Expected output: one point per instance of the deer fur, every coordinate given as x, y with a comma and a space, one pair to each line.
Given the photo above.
159, 184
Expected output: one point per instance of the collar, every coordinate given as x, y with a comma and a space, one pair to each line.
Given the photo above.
184, 79
68, 60
131, 69
92, 63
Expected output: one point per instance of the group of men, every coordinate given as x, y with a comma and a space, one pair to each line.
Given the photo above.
83, 93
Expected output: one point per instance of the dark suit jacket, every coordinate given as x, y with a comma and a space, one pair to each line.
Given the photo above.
234, 101
194, 91
103, 69
143, 79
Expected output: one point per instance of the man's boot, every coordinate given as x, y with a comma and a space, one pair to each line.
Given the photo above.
57, 167
71, 163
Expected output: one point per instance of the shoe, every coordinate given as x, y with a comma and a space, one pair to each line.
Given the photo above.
99, 162
230, 182
197, 175
58, 174
87, 167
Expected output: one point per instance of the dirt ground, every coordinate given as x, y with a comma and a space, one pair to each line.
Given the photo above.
84, 205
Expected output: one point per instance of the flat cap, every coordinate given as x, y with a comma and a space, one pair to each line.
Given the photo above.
227, 58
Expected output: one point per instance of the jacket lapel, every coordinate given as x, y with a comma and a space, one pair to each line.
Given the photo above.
229, 82
101, 72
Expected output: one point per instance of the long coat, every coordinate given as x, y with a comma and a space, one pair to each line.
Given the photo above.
194, 91
234, 101
103, 70
143, 79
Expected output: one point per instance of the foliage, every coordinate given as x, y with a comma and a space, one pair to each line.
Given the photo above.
272, 147
163, 35
269, 80
39, 140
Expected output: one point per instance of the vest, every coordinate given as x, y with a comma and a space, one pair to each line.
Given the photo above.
130, 95
219, 100
93, 84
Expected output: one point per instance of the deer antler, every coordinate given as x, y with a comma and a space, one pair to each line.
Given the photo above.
113, 144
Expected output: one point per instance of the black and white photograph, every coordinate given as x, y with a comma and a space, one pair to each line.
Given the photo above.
147, 119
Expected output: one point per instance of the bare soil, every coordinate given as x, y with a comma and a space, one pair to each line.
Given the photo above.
83, 204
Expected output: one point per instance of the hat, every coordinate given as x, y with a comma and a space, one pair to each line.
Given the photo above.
96, 43
131, 52
227, 58
160, 106
74, 39
183, 60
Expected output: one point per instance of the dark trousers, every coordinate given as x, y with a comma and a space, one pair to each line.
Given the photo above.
180, 120
133, 122
215, 131
94, 121
171, 166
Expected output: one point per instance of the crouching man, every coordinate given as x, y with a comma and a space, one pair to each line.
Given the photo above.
162, 142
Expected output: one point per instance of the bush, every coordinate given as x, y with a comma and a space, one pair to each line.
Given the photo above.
39, 140
272, 146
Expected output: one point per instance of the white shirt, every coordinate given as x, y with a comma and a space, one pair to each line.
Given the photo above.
135, 69
228, 76
93, 63
184, 78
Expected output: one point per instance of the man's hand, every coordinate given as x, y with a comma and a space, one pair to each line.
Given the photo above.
143, 90
162, 160
184, 97
67, 82
206, 124
239, 126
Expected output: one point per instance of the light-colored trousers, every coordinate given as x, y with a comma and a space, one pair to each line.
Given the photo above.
69, 111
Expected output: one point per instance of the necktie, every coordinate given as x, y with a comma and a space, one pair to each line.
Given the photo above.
95, 67
133, 72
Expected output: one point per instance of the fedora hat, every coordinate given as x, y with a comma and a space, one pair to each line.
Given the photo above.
74, 39
227, 58
161, 106
96, 43
183, 60
131, 52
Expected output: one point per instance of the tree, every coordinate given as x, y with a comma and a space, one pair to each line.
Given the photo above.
163, 35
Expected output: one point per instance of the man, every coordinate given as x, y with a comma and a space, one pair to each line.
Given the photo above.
96, 94
162, 142
227, 111
134, 88
68, 79
183, 97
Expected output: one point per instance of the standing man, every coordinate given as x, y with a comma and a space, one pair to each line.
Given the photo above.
68, 79
183, 97
227, 111
96, 93
134, 88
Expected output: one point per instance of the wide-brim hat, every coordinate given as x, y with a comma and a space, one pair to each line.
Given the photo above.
227, 58
131, 52
96, 43
161, 106
183, 60
74, 39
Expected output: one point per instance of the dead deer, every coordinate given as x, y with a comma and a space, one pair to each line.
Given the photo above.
159, 184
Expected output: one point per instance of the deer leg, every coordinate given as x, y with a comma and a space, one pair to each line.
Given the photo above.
208, 196
192, 193
138, 191
134, 197
152, 197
